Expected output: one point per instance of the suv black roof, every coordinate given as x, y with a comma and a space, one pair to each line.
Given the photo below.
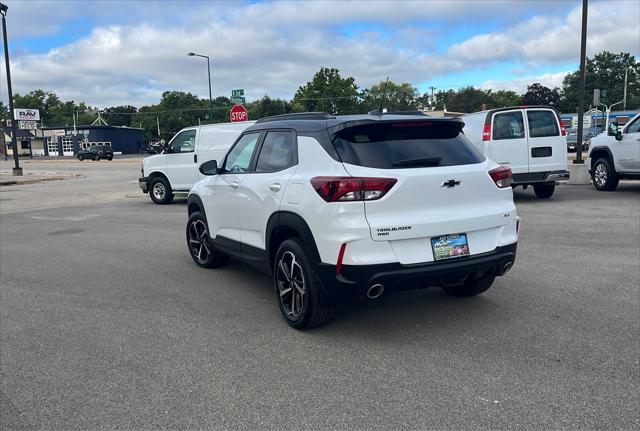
317, 121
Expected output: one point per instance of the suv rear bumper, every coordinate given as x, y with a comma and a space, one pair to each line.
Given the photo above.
539, 177
355, 279
144, 184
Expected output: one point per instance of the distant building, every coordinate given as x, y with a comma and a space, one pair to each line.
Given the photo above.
67, 141
595, 118
29, 142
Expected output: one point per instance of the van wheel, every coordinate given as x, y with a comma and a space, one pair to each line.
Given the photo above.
544, 191
160, 191
201, 250
470, 287
297, 287
603, 175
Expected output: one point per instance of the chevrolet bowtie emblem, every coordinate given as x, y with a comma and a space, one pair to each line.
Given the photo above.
450, 183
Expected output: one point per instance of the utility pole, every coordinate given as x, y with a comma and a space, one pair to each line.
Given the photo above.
17, 170
158, 124
583, 53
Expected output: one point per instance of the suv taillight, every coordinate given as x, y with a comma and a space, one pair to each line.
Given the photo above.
501, 176
486, 132
348, 189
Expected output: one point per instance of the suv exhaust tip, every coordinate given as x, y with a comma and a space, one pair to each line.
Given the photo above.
507, 266
375, 291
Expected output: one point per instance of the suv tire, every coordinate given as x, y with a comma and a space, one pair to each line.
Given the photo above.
81, 157
603, 175
544, 191
110, 158
201, 250
471, 287
297, 287
160, 191
96, 157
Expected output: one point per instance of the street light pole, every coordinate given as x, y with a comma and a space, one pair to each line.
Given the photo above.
17, 170
624, 98
193, 54
581, 85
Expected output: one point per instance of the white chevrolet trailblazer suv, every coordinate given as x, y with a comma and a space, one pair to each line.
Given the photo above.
615, 155
335, 207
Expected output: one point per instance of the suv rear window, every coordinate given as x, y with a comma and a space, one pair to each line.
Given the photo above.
542, 124
406, 145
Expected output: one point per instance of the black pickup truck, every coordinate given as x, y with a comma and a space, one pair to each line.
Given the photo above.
96, 152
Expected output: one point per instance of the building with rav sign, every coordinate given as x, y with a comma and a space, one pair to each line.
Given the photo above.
67, 141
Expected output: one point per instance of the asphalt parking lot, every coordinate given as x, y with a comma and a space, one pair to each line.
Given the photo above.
105, 322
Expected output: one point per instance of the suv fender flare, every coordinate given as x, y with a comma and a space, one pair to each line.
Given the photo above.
194, 203
288, 222
596, 150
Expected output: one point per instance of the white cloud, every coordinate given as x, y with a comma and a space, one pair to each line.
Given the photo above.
519, 85
555, 39
272, 48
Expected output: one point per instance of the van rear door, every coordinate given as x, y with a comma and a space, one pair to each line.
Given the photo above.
547, 147
508, 144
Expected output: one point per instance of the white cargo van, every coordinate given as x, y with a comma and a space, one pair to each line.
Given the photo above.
176, 170
531, 140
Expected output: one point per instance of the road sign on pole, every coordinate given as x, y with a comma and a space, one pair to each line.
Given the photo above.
238, 100
237, 93
238, 113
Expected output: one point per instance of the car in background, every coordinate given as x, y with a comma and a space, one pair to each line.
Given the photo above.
528, 139
616, 155
175, 170
572, 140
96, 152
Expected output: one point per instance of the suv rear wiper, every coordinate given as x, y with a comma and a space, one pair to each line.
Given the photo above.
426, 161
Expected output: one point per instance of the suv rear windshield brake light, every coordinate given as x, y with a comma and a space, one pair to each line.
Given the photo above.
501, 176
349, 189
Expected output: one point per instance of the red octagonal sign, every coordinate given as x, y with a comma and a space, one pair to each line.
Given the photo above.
238, 113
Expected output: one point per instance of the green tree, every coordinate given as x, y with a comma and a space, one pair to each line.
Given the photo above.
4, 111
503, 99
266, 107
606, 72
538, 94
397, 97
120, 115
329, 92
468, 99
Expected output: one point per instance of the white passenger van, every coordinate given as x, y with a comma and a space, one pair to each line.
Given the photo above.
531, 140
176, 170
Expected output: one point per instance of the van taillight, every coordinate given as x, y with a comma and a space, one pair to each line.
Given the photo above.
563, 132
486, 132
501, 176
345, 189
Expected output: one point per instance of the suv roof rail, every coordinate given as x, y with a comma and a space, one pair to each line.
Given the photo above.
298, 116
416, 112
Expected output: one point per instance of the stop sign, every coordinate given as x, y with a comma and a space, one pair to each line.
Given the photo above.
238, 113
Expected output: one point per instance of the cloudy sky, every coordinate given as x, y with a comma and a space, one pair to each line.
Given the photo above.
128, 52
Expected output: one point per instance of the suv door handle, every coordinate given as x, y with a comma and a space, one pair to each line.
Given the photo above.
234, 185
275, 187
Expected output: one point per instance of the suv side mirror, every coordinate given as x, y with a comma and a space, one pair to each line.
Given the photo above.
209, 168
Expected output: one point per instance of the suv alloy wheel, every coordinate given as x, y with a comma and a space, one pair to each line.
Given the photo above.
297, 287
200, 248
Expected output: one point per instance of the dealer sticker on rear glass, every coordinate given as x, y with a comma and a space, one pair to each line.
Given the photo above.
450, 246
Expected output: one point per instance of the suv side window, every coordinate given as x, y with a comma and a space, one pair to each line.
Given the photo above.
239, 158
542, 124
634, 127
277, 152
184, 142
508, 125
